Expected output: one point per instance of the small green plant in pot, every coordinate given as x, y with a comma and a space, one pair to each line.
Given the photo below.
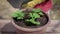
29, 20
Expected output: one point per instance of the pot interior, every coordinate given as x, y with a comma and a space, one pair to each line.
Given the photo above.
43, 21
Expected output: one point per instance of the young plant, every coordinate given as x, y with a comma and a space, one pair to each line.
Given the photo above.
33, 21
18, 14
33, 15
36, 13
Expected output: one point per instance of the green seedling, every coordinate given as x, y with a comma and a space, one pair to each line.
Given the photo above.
18, 14
33, 21
35, 13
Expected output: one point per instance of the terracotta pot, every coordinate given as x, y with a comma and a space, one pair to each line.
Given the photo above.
22, 30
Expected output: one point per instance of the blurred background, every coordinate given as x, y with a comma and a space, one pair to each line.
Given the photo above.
6, 9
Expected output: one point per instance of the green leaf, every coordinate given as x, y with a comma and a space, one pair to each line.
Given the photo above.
18, 14
35, 15
22, 14
37, 23
14, 15
41, 13
30, 14
33, 21
36, 10
27, 20
19, 18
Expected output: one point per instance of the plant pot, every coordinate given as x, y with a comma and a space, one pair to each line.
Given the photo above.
23, 30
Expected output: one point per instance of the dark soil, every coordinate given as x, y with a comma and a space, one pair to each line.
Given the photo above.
43, 21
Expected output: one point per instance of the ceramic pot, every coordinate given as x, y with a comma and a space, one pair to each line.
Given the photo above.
39, 30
